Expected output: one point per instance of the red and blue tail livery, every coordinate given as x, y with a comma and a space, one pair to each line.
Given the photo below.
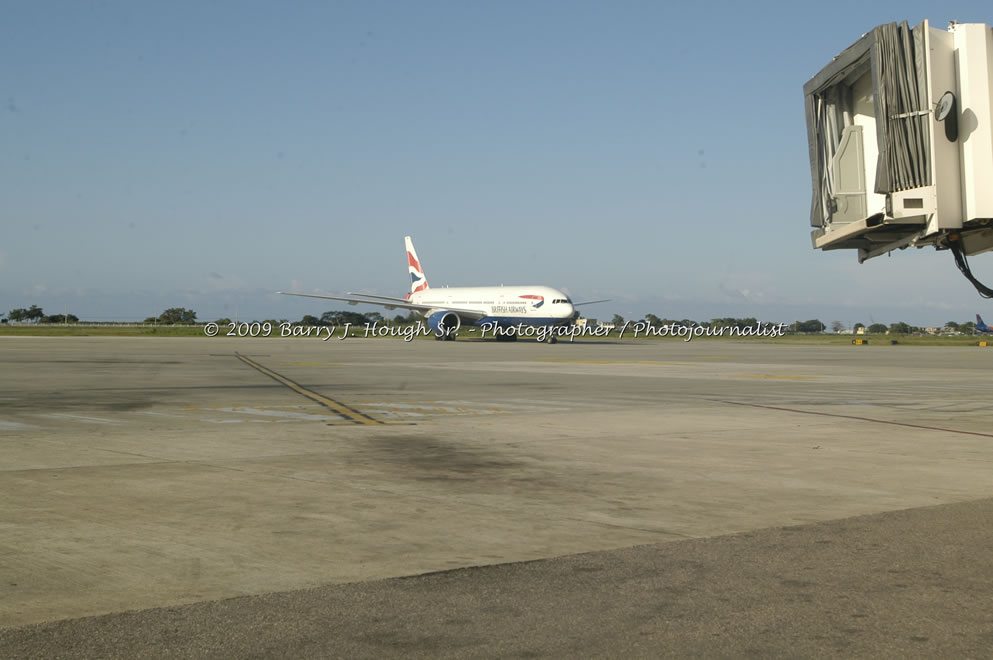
418, 282
447, 309
982, 327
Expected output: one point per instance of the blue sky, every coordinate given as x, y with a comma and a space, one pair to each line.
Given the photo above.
207, 154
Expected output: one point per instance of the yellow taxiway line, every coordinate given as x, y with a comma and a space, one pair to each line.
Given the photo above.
336, 407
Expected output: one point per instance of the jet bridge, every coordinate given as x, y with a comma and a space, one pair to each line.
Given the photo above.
900, 134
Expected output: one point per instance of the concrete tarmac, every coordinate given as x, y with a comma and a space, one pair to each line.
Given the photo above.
147, 473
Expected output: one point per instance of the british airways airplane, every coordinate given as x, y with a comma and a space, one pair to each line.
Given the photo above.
449, 308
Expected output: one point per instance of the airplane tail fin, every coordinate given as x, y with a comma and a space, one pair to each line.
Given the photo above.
979, 321
418, 282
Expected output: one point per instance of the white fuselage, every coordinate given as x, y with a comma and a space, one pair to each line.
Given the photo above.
504, 305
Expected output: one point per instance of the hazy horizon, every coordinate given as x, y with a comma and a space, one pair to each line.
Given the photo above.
206, 155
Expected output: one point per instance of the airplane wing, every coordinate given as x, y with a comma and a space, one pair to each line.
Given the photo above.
369, 295
590, 302
393, 303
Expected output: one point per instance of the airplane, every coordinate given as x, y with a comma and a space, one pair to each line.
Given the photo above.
447, 309
982, 327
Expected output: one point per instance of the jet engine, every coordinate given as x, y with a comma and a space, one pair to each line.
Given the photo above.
444, 324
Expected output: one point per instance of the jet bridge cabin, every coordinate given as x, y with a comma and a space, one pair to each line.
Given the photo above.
900, 134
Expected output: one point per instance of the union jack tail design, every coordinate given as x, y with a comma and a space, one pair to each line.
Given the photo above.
417, 280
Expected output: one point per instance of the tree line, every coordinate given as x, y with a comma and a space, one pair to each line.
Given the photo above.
37, 314
723, 322
803, 327
902, 328
174, 315
358, 319
181, 315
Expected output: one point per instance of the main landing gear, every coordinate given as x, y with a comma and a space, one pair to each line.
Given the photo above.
509, 334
